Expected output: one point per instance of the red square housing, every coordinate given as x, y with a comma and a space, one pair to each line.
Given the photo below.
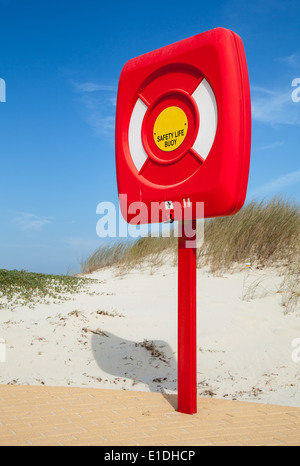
183, 127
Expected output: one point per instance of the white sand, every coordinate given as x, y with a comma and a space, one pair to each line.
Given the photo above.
244, 337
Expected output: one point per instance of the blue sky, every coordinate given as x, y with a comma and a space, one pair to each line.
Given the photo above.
61, 62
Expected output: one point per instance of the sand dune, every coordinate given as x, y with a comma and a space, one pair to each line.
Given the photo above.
123, 334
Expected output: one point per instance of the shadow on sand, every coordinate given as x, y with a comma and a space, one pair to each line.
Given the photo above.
149, 362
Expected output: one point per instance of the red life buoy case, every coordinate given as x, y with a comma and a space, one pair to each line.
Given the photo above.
183, 127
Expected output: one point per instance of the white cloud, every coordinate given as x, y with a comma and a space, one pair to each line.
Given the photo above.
81, 243
93, 87
291, 60
101, 124
31, 222
277, 185
274, 107
263, 90
99, 102
272, 145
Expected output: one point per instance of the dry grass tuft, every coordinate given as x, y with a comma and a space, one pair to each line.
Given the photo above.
263, 234
291, 287
127, 255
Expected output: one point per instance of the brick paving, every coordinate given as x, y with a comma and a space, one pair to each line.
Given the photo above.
42, 416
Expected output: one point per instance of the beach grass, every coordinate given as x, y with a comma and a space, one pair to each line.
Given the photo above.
261, 234
19, 287
128, 254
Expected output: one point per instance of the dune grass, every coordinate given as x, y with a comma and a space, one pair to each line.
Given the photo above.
19, 287
263, 234
128, 254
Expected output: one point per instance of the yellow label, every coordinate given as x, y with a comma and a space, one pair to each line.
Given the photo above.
170, 128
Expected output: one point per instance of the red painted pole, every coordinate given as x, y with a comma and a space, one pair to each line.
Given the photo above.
187, 333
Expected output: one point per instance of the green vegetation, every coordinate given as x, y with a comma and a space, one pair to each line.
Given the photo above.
263, 234
21, 287
127, 255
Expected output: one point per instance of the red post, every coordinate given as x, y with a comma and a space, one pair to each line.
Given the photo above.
187, 333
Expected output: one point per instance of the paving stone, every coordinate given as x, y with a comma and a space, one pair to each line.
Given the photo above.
34, 416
